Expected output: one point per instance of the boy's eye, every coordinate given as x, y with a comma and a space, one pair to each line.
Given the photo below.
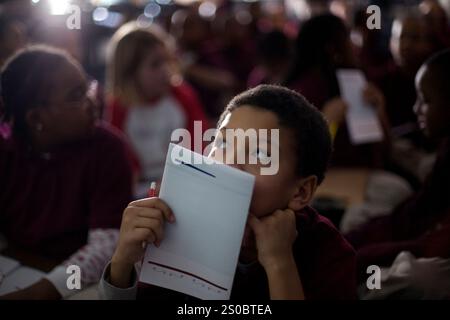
220, 143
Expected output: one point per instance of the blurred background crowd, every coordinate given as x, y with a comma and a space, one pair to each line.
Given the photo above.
188, 58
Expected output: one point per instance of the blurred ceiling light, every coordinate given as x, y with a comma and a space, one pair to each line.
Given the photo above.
185, 2
34, 1
299, 8
100, 14
113, 20
152, 10
163, 2
207, 9
59, 7
104, 3
143, 21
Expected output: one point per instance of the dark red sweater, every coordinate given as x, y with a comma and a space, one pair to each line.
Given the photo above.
325, 261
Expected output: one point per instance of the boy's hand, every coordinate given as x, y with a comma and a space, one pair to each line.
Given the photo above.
375, 98
142, 221
274, 236
335, 110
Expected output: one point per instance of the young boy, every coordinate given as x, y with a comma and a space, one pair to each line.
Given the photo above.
421, 225
288, 250
410, 46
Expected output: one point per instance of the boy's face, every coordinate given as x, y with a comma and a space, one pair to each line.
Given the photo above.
152, 76
69, 113
271, 192
409, 42
432, 109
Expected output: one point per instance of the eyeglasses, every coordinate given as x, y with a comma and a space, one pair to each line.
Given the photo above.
91, 95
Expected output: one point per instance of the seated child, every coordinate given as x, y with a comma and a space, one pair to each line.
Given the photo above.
145, 102
322, 47
288, 250
410, 47
419, 225
61, 195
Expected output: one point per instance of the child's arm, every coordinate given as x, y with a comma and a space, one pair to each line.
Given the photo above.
284, 281
91, 259
142, 220
107, 291
274, 237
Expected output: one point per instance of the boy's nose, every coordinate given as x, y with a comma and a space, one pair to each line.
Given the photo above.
233, 159
418, 108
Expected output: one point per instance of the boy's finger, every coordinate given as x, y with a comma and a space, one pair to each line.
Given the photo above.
291, 214
155, 203
155, 225
148, 222
253, 222
151, 213
145, 234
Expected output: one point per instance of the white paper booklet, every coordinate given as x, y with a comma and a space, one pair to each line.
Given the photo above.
362, 120
199, 253
14, 276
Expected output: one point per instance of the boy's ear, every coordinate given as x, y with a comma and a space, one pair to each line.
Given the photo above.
303, 193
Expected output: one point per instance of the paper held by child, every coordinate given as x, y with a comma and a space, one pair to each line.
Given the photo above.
14, 276
199, 253
362, 120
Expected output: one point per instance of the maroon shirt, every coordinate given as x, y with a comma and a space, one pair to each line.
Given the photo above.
405, 229
48, 202
325, 260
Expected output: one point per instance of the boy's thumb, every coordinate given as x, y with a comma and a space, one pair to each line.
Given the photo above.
253, 222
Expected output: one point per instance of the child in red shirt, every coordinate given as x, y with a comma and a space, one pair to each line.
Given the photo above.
147, 101
288, 250
64, 179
